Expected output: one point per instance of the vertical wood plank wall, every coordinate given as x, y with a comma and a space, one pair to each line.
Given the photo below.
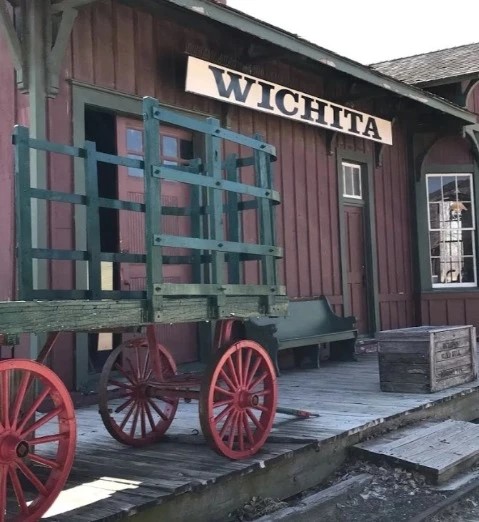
308, 221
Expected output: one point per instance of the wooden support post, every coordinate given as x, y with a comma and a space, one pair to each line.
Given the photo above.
234, 223
215, 205
154, 259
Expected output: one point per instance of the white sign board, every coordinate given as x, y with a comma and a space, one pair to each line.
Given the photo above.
221, 83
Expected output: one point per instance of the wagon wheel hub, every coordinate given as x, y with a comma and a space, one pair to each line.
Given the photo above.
247, 399
13, 447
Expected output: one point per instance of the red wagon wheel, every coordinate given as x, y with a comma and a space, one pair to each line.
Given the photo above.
36, 449
132, 412
238, 400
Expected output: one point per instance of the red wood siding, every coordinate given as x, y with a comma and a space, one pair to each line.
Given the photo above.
450, 309
449, 151
394, 242
472, 102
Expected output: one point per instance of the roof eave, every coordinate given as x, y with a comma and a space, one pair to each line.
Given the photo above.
276, 36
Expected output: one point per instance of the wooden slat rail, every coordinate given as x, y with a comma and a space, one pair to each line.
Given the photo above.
213, 244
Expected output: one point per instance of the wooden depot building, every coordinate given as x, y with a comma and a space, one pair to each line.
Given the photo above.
378, 177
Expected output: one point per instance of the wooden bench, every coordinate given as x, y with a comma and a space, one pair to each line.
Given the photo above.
307, 325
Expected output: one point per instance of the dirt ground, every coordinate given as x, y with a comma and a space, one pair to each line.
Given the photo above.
393, 495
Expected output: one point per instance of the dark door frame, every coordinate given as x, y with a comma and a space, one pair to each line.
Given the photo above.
370, 251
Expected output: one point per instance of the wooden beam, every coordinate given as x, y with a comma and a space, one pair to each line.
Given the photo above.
57, 53
472, 132
63, 5
13, 42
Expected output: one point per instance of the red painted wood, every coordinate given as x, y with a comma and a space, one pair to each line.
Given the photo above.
124, 51
104, 29
7, 110
82, 43
356, 263
450, 151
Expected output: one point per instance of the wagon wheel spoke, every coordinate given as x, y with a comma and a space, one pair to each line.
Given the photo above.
23, 469
44, 461
32, 478
35, 426
3, 490
253, 372
137, 417
223, 414
239, 364
5, 399
227, 380
233, 373
247, 428
233, 424
18, 490
124, 405
253, 417
22, 390
127, 416
47, 439
120, 369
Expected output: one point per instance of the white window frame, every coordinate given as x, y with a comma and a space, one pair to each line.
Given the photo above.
471, 229
355, 166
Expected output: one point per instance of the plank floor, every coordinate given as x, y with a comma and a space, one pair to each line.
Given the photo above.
438, 450
109, 479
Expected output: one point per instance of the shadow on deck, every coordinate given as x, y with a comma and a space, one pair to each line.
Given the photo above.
182, 479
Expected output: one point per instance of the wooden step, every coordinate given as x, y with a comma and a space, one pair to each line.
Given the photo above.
438, 450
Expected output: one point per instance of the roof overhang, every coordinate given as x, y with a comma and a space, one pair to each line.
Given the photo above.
247, 24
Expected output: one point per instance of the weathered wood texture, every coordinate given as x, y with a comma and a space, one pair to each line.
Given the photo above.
51, 316
438, 450
439, 308
426, 359
182, 479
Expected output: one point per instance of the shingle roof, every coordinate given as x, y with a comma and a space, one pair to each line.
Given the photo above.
435, 66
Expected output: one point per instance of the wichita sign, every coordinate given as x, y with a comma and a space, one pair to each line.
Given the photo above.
221, 83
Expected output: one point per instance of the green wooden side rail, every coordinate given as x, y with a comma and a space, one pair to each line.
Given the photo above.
218, 199
308, 324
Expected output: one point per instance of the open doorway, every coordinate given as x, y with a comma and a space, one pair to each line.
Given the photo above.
100, 127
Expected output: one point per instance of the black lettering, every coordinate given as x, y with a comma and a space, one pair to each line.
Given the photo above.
266, 89
240, 94
309, 109
371, 129
336, 117
355, 118
280, 96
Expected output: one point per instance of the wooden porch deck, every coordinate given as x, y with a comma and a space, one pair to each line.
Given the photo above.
182, 479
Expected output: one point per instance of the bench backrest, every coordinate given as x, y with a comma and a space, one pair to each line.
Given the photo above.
308, 318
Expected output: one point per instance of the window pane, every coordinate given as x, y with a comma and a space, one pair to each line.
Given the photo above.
434, 242
134, 140
137, 173
186, 149
170, 146
464, 214
467, 243
468, 270
449, 188
435, 217
434, 188
436, 270
357, 182
464, 188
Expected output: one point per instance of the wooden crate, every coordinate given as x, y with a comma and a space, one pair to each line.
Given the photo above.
426, 358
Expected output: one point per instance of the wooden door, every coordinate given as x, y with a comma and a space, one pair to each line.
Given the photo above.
357, 281
176, 148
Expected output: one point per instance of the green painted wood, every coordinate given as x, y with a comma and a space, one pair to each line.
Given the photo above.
23, 212
211, 127
85, 315
215, 246
154, 261
63, 197
172, 289
195, 224
66, 255
233, 221
122, 161
216, 222
93, 221
184, 176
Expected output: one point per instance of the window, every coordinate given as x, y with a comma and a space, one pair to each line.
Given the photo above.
352, 187
176, 149
451, 223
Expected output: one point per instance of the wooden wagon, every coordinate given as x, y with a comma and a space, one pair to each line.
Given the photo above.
140, 387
